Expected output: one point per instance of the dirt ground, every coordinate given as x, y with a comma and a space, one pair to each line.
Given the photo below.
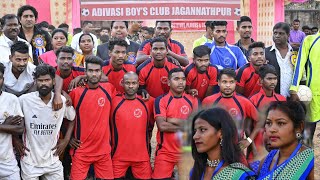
316, 147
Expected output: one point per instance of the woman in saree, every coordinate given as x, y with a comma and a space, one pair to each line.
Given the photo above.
86, 44
215, 148
59, 39
284, 128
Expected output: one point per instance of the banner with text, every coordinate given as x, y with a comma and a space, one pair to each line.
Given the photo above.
188, 26
160, 10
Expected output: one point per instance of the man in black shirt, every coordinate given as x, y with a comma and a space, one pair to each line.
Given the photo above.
119, 30
40, 40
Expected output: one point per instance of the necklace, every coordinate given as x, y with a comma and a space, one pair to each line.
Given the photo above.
213, 163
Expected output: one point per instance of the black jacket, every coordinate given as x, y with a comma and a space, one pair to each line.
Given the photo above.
39, 37
272, 59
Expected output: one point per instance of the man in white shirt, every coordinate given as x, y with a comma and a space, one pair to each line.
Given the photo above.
11, 123
86, 29
18, 77
11, 29
280, 56
42, 127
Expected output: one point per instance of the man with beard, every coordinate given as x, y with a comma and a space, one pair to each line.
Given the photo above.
119, 30
117, 66
153, 73
11, 29
175, 49
244, 28
243, 112
91, 144
171, 111
132, 119
247, 75
18, 78
223, 54
40, 40
11, 123
201, 75
42, 127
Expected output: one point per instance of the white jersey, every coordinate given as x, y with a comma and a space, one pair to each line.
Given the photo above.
42, 127
9, 106
22, 84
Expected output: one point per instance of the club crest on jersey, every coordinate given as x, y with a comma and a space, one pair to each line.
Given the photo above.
164, 80
131, 57
184, 109
227, 61
233, 112
101, 102
204, 82
293, 57
6, 115
56, 115
137, 113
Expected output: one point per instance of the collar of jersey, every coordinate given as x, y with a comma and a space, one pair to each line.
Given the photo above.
176, 96
164, 65
264, 93
227, 97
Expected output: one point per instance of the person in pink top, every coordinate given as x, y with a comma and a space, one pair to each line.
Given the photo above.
59, 39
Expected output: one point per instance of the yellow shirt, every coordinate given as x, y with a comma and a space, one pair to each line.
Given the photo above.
69, 39
201, 41
79, 60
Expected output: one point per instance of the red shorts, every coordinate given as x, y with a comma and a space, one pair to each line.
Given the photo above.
164, 166
102, 166
140, 170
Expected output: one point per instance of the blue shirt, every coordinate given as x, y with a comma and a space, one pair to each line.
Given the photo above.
228, 56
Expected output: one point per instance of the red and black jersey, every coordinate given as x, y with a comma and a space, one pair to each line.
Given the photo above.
116, 77
261, 100
155, 79
92, 127
130, 121
248, 79
201, 81
75, 72
173, 46
169, 106
239, 107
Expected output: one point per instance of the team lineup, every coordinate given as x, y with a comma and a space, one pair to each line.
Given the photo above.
78, 108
